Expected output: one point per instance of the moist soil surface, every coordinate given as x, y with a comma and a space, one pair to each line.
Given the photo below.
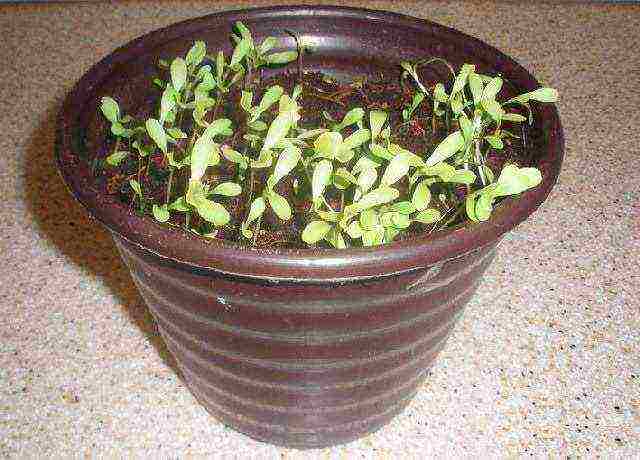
323, 101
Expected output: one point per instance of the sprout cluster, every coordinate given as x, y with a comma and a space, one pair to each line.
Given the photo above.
362, 186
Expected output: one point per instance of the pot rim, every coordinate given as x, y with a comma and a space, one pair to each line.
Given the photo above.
181, 248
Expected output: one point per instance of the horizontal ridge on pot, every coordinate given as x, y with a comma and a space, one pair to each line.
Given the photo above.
302, 347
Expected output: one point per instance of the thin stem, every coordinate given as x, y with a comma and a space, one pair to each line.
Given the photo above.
169, 183
300, 52
452, 218
250, 186
139, 171
435, 59
256, 230
480, 163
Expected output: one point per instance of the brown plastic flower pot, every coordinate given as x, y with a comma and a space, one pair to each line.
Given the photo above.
304, 348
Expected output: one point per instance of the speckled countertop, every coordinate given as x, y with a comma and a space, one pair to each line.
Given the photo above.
545, 360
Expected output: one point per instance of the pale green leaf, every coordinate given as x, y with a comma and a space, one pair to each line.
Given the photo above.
461, 78
369, 219
196, 54
373, 237
493, 108
443, 170
335, 238
219, 127
354, 230
257, 125
495, 141
352, 117
466, 126
256, 209
286, 162
407, 113
279, 128
421, 196
213, 212
488, 173
118, 130
265, 159
220, 63
470, 207
267, 45
180, 204
428, 216
386, 219
364, 163
463, 176
447, 148
287, 104
367, 178
381, 152
110, 109
403, 207
414, 160
279, 205
297, 92
540, 95
456, 104
246, 100
311, 133
329, 216
167, 102
135, 185
377, 118
390, 233
344, 155
439, 93
321, 178
400, 221
270, 97
201, 156
484, 206
345, 176
356, 139
281, 58
244, 30
315, 231
195, 193
227, 189
161, 213
514, 117
234, 156
475, 85
328, 144
178, 74
514, 180
176, 133
156, 132
397, 168
492, 89
116, 157
377, 197
240, 51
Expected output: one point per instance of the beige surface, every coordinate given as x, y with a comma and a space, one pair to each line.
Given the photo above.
544, 361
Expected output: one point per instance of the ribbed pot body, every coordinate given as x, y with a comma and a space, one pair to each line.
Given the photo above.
305, 364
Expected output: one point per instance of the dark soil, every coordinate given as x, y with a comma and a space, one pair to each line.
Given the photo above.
321, 95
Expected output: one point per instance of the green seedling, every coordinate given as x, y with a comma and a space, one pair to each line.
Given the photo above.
361, 185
